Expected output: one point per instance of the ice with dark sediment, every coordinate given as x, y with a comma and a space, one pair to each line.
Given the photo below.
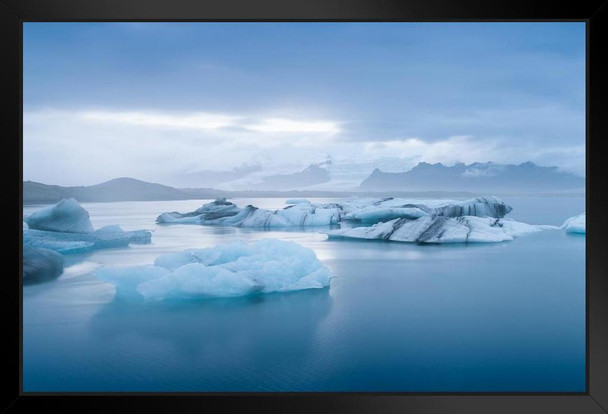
478, 220
486, 206
355, 209
224, 213
441, 229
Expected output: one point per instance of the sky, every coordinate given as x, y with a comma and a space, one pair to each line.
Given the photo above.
160, 101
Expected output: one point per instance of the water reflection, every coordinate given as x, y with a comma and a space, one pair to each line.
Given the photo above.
263, 335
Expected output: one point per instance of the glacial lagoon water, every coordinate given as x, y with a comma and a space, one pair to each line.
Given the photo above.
397, 317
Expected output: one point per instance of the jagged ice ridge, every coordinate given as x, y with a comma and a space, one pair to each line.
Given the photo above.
305, 214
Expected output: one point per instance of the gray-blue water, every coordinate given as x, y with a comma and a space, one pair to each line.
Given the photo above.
397, 317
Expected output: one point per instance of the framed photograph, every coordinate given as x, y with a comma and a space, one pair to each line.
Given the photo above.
357, 207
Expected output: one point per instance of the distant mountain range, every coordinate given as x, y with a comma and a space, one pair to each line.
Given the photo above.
130, 189
487, 177
424, 180
311, 175
119, 189
211, 178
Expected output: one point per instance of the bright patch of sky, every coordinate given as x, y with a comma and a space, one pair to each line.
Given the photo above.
157, 101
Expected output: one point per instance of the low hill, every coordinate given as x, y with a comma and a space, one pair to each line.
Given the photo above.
119, 189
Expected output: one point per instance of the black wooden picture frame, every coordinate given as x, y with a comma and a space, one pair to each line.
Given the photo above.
13, 13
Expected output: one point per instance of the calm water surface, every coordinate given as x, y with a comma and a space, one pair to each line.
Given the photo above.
397, 317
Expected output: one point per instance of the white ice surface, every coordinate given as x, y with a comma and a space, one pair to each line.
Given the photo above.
575, 224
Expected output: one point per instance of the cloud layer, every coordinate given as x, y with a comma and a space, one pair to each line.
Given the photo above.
152, 145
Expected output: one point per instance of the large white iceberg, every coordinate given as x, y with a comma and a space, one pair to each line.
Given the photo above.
441, 229
306, 214
226, 270
575, 224
40, 265
66, 216
42, 230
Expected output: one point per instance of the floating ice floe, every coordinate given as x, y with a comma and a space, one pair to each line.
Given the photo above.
224, 213
441, 229
66, 243
487, 206
66, 216
226, 270
65, 227
373, 210
575, 224
305, 214
40, 265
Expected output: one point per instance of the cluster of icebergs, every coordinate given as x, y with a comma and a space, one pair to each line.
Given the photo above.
269, 265
435, 221
66, 228
235, 269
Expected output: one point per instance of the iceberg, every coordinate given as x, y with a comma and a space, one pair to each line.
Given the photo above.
302, 213
224, 213
38, 233
40, 265
575, 224
297, 201
66, 216
487, 206
225, 270
218, 209
441, 229
376, 213
67, 243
